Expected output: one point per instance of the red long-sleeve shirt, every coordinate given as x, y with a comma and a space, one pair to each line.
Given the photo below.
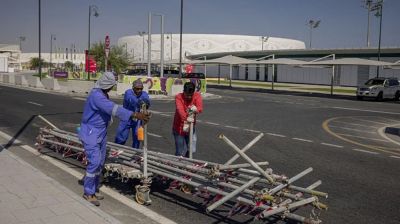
181, 110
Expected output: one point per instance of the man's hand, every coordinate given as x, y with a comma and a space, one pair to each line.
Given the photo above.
142, 116
193, 108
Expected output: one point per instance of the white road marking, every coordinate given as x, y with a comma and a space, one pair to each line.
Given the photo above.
355, 136
361, 150
79, 98
277, 135
109, 191
373, 111
396, 157
155, 135
332, 145
390, 120
37, 104
302, 139
348, 123
251, 130
207, 122
353, 129
227, 126
359, 119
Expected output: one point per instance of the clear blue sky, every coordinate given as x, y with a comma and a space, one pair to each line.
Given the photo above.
343, 22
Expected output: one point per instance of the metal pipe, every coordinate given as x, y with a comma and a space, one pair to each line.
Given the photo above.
232, 194
244, 156
291, 180
248, 146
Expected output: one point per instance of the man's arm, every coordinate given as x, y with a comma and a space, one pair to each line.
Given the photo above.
180, 107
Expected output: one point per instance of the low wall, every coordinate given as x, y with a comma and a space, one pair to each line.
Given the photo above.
7, 78
34, 82
76, 86
20, 80
164, 85
51, 84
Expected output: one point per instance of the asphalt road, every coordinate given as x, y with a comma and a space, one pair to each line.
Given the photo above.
337, 136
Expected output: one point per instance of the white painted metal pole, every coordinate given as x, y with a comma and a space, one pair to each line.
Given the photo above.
333, 74
230, 75
273, 72
162, 48
149, 47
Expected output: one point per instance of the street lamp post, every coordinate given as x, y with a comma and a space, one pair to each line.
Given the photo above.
52, 37
379, 7
368, 4
161, 45
149, 46
263, 39
40, 40
21, 38
312, 24
94, 9
180, 41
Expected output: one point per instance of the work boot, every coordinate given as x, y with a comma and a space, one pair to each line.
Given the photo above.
92, 199
99, 196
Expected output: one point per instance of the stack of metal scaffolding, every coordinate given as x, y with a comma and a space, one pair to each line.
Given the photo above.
249, 188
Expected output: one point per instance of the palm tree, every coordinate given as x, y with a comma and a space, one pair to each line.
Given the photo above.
69, 65
34, 63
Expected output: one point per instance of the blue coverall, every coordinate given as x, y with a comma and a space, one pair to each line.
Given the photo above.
93, 132
132, 103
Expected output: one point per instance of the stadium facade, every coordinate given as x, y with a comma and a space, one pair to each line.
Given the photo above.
136, 45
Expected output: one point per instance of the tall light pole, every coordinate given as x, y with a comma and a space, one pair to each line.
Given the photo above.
149, 46
378, 7
312, 24
161, 45
52, 37
94, 9
263, 39
142, 33
180, 41
21, 38
40, 40
368, 5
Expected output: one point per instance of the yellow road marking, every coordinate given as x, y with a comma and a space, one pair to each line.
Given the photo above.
326, 128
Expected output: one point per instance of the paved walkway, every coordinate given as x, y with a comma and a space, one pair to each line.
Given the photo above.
29, 196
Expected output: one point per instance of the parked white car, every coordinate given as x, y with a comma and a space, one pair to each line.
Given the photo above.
380, 88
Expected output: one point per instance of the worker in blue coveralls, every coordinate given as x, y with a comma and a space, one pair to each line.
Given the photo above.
133, 100
97, 114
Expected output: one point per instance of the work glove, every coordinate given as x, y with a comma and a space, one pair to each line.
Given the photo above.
190, 119
193, 109
145, 117
186, 127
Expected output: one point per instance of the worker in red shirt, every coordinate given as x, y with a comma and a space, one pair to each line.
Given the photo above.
187, 105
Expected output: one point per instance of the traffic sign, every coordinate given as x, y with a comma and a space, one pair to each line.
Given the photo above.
107, 41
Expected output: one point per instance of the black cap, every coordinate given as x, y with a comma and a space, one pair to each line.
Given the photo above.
189, 88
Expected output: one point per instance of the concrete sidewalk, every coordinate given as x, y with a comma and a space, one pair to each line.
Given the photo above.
29, 196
